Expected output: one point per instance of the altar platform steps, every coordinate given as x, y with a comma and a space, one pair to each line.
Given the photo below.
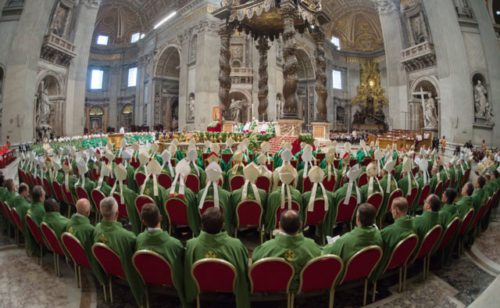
278, 140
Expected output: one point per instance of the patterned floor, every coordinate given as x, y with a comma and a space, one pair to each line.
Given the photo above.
24, 284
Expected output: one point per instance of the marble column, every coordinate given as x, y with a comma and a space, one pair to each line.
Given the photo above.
263, 47
225, 70
321, 91
291, 101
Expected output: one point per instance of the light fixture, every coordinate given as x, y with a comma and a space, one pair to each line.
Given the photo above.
498, 13
164, 20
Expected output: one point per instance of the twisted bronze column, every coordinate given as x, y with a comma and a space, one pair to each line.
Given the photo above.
263, 47
321, 91
290, 107
225, 70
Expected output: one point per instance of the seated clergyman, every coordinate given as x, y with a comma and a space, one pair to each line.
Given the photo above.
289, 244
53, 217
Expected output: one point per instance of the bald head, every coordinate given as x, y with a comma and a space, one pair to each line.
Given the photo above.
290, 222
109, 209
83, 207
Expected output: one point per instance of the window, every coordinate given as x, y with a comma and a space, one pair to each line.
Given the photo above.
102, 40
337, 80
336, 41
132, 77
135, 37
142, 36
96, 79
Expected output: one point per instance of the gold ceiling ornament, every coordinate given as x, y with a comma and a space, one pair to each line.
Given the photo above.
370, 87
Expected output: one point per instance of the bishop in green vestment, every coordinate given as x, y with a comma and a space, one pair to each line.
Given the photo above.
37, 212
289, 244
20, 203
159, 241
122, 242
53, 217
215, 243
449, 210
465, 203
429, 218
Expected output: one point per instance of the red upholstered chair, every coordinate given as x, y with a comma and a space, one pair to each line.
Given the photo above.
122, 207
249, 215
93, 174
141, 201
111, 181
318, 214
336, 163
363, 179
38, 181
329, 184
68, 197
16, 219
361, 265
319, 275
213, 276
77, 253
236, 182
164, 180
376, 199
345, 212
366, 161
58, 191
294, 163
135, 163
449, 233
193, 183
47, 187
395, 194
477, 219
400, 257
270, 165
439, 189
277, 283
352, 162
464, 228
81, 193
306, 184
412, 199
263, 183
97, 197
426, 190
111, 265
226, 157
446, 185
54, 245
426, 247
139, 178
414, 171
279, 210
177, 215
154, 270
320, 157
36, 233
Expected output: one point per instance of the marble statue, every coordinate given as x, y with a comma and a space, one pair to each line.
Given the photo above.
481, 103
279, 108
417, 26
59, 21
43, 105
463, 9
430, 113
235, 108
191, 104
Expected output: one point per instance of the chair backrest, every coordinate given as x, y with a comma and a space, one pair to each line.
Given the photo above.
467, 221
236, 182
135, 163
376, 199
306, 184
16, 219
34, 230
278, 282
193, 183
270, 165
110, 262
447, 184
402, 252
439, 189
176, 211
226, 157
68, 197
141, 201
75, 249
363, 179
395, 194
122, 207
214, 276
424, 194
279, 210
51, 238
429, 241
97, 196
139, 178
249, 214
336, 163
164, 180
58, 191
81, 193
263, 183
320, 156
345, 212
362, 263
450, 232
153, 268
329, 184
320, 274
412, 197
318, 214
47, 187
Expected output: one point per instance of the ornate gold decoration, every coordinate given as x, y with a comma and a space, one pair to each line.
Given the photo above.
211, 255
370, 87
289, 255
103, 238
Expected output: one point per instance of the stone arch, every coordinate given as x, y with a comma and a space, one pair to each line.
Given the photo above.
305, 90
246, 110
422, 90
51, 85
127, 115
96, 119
166, 81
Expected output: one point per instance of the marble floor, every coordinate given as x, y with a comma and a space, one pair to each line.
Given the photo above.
23, 283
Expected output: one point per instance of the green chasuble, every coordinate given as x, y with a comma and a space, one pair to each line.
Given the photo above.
376, 188
56, 221
220, 246
327, 227
236, 198
433, 182
168, 247
464, 205
274, 203
446, 214
350, 243
3, 191
37, 213
459, 177
296, 250
478, 199
131, 178
224, 202
403, 184
192, 208
21, 205
129, 197
121, 242
391, 236
425, 222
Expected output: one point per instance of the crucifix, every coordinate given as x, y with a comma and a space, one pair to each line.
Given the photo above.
422, 97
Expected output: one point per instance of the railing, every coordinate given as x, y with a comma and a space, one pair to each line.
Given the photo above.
60, 44
417, 51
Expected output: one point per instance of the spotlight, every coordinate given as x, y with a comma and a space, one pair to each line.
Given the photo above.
164, 20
